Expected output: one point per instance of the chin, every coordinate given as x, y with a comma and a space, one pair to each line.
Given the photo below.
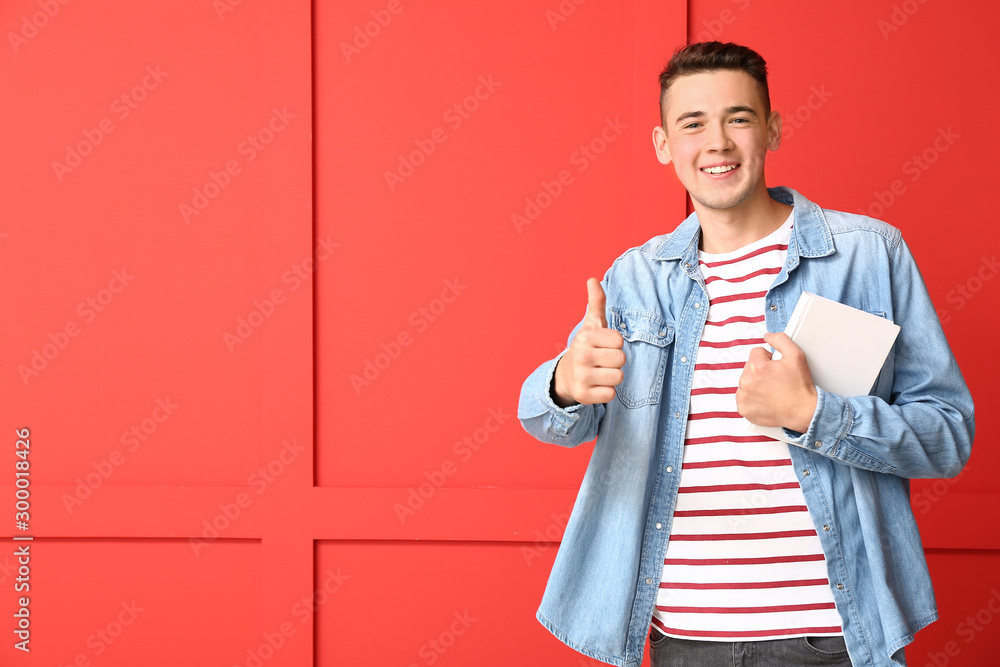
723, 203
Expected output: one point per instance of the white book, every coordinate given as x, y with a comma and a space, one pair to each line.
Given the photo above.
844, 347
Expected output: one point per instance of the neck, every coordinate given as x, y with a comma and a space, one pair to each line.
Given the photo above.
725, 230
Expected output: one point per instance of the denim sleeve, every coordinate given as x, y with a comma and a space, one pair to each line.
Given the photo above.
926, 427
546, 421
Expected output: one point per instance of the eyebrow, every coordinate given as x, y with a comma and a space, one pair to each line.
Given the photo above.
728, 110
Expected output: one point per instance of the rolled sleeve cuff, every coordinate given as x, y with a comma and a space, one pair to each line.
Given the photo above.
539, 394
831, 422
562, 418
829, 431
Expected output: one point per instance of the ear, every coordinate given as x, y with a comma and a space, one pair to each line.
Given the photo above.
660, 144
773, 131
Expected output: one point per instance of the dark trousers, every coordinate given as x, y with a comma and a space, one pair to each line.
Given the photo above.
794, 652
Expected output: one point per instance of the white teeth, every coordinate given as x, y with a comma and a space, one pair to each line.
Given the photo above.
719, 170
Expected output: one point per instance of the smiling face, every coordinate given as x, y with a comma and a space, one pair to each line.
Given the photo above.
717, 133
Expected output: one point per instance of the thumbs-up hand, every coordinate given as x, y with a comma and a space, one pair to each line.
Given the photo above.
592, 366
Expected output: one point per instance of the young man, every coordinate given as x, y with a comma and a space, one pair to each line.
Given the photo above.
725, 546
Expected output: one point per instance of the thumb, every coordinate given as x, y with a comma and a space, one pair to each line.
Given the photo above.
596, 303
783, 343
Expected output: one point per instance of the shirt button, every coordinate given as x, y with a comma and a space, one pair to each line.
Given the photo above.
817, 444
805, 473
677, 415
697, 305
774, 307
840, 586
650, 581
684, 359
659, 526
826, 527
687, 265
670, 468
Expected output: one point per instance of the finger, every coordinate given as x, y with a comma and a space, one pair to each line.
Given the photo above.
598, 395
603, 377
785, 346
606, 358
596, 303
605, 338
758, 355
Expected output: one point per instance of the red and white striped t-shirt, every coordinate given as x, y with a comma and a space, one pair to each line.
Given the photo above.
744, 561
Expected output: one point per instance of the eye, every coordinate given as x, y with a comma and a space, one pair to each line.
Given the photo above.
741, 120
691, 126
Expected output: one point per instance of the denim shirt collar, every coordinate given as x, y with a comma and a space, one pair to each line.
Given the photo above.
810, 232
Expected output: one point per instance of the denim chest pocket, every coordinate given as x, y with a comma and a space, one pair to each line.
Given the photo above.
647, 345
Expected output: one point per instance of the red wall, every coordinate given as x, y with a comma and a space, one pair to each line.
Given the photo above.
275, 274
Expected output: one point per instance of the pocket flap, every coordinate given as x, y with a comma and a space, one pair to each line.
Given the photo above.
636, 325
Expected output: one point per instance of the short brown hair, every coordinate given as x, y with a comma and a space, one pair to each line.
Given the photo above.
708, 57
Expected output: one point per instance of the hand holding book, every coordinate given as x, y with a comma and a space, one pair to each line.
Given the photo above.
777, 389
844, 349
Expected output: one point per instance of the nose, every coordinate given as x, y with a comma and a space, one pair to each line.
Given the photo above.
717, 137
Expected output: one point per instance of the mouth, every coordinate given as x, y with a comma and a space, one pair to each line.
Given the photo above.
720, 170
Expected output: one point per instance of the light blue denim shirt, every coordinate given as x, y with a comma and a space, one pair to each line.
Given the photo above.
853, 463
